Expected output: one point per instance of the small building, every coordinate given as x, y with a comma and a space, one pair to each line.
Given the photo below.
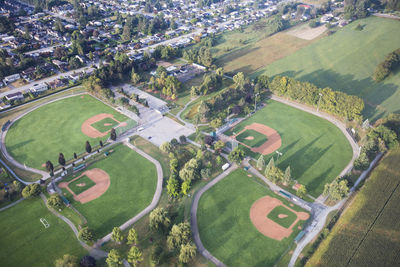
15, 96
11, 78
225, 166
39, 87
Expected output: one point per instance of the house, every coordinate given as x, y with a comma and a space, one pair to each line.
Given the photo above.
11, 78
39, 87
15, 96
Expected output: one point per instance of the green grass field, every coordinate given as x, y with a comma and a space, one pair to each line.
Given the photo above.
54, 128
368, 233
133, 183
26, 242
104, 125
258, 140
225, 226
316, 150
346, 60
79, 189
285, 222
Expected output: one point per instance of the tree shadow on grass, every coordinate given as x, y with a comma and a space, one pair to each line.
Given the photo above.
320, 179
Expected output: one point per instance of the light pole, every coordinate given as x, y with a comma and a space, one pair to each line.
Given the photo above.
319, 100
255, 101
279, 154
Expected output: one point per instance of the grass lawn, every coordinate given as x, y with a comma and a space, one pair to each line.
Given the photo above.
133, 183
74, 186
315, 149
368, 232
24, 240
54, 128
225, 226
252, 138
285, 222
104, 125
346, 60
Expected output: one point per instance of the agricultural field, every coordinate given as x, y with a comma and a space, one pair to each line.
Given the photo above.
368, 232
226, 229
346, 60
58, 127
132, 183
315, 149
26, 242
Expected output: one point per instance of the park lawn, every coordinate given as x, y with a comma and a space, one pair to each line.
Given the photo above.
133, 184
285, 222
55, 128
346, 60
26, 242
258, 140
105, 125
368, 232
315, 149
79, 189
225, 226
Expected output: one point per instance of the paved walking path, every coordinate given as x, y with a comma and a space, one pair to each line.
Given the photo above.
12, 204
153, 203
193, 215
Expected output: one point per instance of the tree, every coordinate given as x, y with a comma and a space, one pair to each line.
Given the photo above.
101, 143
336, 190
260, 162
61, 159
287, 177
187, 252
275, 174
159, 219
237, 155
117, 235
362, 162
88, 147
49, 166
132, 236
205, 173
87, 261
180, 234
31, 190
135, 78
208, 140
271, 164
55, 202
75, 156
67, 261
186, 187
301, 191
166, 147
86, 234
114, 258
172, 187
216, 123
239, 80
219, 146
113, 134
134, 256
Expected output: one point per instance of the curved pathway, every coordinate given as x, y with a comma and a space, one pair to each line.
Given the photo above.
193, 215
154, 202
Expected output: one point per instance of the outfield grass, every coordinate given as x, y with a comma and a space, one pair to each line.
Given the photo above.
56, 127
24, 240
102, 127
346, 60
79, 189
258, 140
133, 183
225, 226
368, 232
315, 149
285, 222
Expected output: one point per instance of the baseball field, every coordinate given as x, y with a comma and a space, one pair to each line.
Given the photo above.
315, 149
122, 185
243, 223
26, 242
62, 126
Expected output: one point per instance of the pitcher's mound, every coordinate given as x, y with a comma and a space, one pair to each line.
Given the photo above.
249, 138
281, 216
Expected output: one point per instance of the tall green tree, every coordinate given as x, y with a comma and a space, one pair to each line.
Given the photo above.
159, 219
260, 162
88, 147
237, 155
61, 159
117, 235
86, 234
270, 164
187, 252
301, 191
132, 236
135, 256
67, 261
114, 258
173, 187
287, 177
113, 134
180, 234
55, 202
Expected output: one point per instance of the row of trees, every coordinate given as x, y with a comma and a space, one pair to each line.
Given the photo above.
200, 56
168, 85
391, 63
211, 82
334, 102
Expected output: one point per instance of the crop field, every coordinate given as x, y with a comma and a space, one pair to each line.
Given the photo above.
55, 128
225, 226
346, 60
315, 149
133, 181
26, 242
368, 233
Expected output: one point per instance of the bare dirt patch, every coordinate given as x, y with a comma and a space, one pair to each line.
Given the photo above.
258, 216
92, 132
271, 145
307, 33
101, 180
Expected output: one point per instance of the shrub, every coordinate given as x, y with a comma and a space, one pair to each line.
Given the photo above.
31, 190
